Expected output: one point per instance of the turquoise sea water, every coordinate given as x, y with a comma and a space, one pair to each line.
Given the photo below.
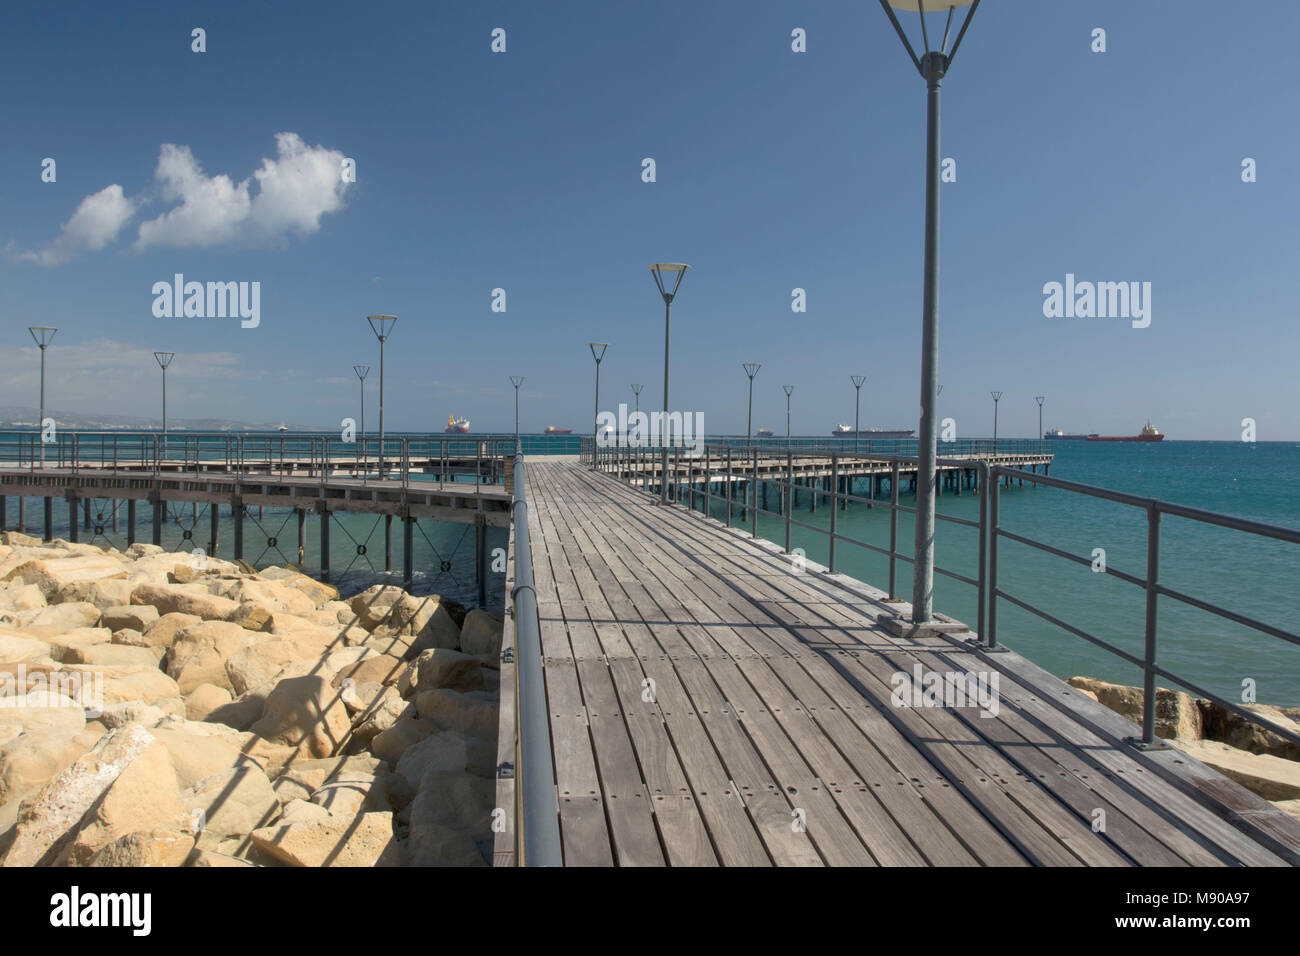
1253, 576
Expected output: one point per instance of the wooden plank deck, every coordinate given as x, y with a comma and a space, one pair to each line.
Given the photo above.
709, 706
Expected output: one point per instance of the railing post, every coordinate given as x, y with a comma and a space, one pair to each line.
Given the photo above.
990, 479
708, 490
789, 496
753, 511
982, 596
728, 487
893, 527
1149, 659
835, 501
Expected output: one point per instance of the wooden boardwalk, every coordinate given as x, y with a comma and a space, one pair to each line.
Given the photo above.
709, 706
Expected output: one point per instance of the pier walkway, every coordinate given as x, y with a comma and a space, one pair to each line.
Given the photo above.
710, 706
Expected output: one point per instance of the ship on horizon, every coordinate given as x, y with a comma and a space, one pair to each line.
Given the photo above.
846, 431
1149, 433
764, 432
1056, 434
457, 426
552, 430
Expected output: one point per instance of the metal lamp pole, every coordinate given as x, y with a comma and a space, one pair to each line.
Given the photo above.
362, 371
1040, 399
516, 381
788, 389
636, 390
932, 67
997, 397
164, 359
44, 335
595, 422
383, 327
751, 369
857, 407
658, 269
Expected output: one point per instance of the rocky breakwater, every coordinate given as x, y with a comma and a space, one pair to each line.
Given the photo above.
165, 709
1262, 761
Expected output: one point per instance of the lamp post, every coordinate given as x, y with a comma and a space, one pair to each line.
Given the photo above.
44, 335
383, 327
1040, 399
362, 371
516, 381
788, 389
997, 397
164, 359
751, 369
595, 424
932, 67
658, 269
636, 390
857, 406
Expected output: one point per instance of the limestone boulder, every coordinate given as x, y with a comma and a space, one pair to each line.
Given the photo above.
255, 667
1227, 727
52, 574
456, 801
481, 633
184, 599
136, 617
305, 713
447, 751
143, 796
366, 840
318, 592
21, 597
15, 648
1273, 778
372, 668
206, 698
470, 712
233, 802
31, 760
59, 618
157, 847
113, 655
406, 731
372, 606
380, 714
443, 668
1177, 715
42, 710
104, 593
199, 653
164, 631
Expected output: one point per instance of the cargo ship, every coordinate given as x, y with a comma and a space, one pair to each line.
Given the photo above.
846, 431
457, 426
552, 430
1149, 433
1056, 434
764, 432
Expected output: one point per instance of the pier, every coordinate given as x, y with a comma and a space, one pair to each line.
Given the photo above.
101, 478
678, 692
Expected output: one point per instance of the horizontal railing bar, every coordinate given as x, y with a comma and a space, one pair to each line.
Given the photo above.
1136, 661
1229, 615
1239, 711
1021, 539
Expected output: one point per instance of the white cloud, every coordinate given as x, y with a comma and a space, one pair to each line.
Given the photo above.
286, 195
293, 191
96, 223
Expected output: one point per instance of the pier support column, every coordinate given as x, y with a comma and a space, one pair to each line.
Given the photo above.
86, 517
237, 516
324, 540
214, 523
4, 513
49, 519
22, 515
480, 557
155, 498
130, 522
408, 550
72, 516
116, 502
388, 542
302, 536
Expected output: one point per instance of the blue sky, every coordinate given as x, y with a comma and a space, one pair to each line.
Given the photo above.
775, 170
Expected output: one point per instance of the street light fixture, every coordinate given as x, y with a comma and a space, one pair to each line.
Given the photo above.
751, 369
44, 335
932, 67
383, 328
788, 389
857, 381
595, 425
1040, 399
660, 269
164, 359
516, 381
362, 371
997, 397
636, 390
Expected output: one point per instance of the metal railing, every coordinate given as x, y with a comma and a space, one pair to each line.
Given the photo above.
539, 830
691, 479
870, 447
405, 459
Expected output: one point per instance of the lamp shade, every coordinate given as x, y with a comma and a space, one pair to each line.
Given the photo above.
931, 6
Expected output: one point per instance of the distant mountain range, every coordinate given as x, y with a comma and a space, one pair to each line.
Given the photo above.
12, 416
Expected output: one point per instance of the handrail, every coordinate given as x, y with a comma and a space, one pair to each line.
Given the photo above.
540, 827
